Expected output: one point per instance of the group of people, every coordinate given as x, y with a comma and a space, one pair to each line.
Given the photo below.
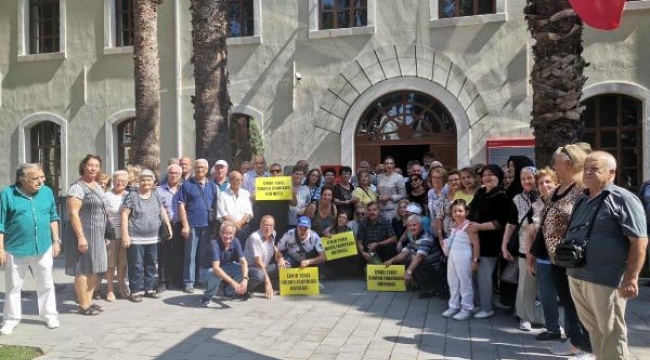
461, 234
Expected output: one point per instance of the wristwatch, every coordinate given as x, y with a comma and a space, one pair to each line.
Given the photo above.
477, 260
409, 272
245, 277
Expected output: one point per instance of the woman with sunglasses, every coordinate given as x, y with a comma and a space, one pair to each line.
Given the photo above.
418, 191
314, 181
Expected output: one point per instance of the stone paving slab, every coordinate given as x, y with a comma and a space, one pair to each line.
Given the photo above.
345, 322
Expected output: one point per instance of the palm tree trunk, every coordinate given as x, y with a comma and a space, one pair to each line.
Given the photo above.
557, 76
146, 142
212, 99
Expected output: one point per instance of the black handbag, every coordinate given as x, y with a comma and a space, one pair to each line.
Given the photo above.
570, 253
513, 243
163, 230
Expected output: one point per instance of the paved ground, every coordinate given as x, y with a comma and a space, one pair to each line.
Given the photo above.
344, 322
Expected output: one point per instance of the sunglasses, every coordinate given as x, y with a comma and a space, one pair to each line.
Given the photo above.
275, 171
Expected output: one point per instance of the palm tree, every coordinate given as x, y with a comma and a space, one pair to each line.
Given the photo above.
146, 139
557, 76
211, 98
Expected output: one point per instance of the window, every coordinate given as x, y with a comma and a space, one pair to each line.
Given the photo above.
404, 115
613, 124
125, 132
45, 142
44, 27
123, 23
337, 14
458, 8
241, 19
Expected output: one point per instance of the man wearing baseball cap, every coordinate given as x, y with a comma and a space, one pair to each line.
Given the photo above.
219, 174
302, 246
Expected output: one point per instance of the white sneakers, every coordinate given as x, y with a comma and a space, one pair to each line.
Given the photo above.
582, 355
8, 327
449, 313
462, 315
52, 323
483, 314
564, 349
525, 325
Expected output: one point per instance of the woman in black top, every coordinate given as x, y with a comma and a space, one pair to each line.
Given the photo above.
489, 212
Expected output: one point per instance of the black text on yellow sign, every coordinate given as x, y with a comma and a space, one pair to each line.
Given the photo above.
385, 278
339, 245
299, 281
273, 188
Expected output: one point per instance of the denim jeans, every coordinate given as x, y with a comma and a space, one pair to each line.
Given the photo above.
195, 244
548, 297
255, 278
574, 329
142, 267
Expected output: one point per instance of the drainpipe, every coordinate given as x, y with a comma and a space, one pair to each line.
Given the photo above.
178, 77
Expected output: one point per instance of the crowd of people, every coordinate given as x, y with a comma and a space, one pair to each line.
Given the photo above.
462, 235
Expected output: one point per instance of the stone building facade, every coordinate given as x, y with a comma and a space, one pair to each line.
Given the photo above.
334, 82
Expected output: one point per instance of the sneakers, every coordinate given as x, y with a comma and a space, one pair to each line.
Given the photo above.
188, 289
483, 314
462, 315
564, 349
449, 313
8, 327
525, 325
475, 310
52, 323
548, 336
583, 355
321, 286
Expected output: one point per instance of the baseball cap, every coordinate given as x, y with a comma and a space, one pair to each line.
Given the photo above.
221, 162
414, 208
304, 221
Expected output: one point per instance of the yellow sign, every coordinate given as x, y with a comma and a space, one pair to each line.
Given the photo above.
273, 188
299, 281
385, 278
340, 245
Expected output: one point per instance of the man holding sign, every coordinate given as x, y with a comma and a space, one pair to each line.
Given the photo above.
302, 247
421, 256
261, 253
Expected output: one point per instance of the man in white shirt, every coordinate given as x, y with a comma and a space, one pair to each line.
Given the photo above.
261, 253
235, 206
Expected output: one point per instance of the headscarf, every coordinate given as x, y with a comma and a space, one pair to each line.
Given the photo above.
519, 163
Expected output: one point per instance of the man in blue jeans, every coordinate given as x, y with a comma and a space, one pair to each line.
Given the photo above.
224, 260
196, 202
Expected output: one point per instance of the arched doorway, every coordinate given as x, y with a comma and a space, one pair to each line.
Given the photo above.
406, 124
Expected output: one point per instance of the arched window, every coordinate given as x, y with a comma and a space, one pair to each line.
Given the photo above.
45, 149
124, 141
613, 124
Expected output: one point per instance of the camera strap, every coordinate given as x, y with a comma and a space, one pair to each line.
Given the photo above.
590, 225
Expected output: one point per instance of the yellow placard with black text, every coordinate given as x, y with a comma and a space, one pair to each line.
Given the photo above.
339, 245
273, 188
385, 278
299, 281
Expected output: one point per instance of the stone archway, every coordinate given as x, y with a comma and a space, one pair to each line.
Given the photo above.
400, 67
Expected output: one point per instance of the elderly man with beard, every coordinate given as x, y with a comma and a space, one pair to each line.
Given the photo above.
610, 223
29, 238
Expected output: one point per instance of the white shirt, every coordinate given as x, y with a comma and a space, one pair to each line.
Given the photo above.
256, 246
303, 198
233, 205
249, 180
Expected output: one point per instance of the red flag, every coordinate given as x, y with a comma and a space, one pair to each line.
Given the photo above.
599, 14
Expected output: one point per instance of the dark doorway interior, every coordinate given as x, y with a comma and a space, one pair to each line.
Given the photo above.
403, 154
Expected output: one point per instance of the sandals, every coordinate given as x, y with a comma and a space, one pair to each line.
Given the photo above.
97, 307
135, 297
152, 295
89, 311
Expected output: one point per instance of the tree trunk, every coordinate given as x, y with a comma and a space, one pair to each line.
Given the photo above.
211, 99
146, 139
557, 76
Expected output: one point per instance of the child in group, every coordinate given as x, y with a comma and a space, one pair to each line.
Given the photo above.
463, 250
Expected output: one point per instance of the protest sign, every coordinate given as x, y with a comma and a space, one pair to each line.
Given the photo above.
385, 278
299, 281
273, 188
339, 245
